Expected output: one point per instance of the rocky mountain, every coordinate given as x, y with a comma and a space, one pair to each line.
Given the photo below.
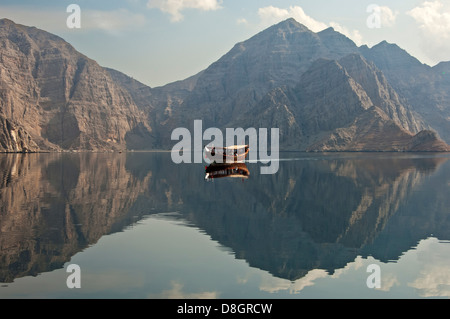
280, 78
319, 89
157, 103
277, 56
61, 98
425, 88
343, 105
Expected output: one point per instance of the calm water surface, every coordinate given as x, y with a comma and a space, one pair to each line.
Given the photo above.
140, 226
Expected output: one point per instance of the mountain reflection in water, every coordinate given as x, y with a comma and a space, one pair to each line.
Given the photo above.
319, 211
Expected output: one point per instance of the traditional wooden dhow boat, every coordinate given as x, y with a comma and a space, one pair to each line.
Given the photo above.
229, 154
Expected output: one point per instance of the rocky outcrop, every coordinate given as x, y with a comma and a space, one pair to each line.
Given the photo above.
374, 131
427, 141
14, 139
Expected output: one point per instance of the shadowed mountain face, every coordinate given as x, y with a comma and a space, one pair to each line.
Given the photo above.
322, 91
425, 88
318, 212
343, 105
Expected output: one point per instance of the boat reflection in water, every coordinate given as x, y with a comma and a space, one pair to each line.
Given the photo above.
230, 162
236, 170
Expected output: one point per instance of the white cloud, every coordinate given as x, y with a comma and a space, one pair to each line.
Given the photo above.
174, 7
433, 20
387, 16
242, 21
433, 279
176, 292
270, 15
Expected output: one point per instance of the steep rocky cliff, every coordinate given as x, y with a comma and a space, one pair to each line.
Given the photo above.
63, 99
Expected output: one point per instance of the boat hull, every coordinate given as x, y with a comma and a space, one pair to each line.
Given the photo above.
231, 154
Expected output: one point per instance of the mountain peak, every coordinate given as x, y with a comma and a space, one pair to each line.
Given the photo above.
385, 44
392, 48
327, 30
388, 55
4, 20
291, 25
9, 24
37, 35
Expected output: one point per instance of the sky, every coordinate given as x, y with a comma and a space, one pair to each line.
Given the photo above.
162, 41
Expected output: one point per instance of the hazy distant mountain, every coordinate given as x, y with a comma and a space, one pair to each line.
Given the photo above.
320, 89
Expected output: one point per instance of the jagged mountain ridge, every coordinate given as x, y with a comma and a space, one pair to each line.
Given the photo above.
344, 105
235, 90
425, 88
64, 100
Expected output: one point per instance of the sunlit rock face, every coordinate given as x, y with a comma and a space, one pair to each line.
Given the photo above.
14, 139
61, 98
